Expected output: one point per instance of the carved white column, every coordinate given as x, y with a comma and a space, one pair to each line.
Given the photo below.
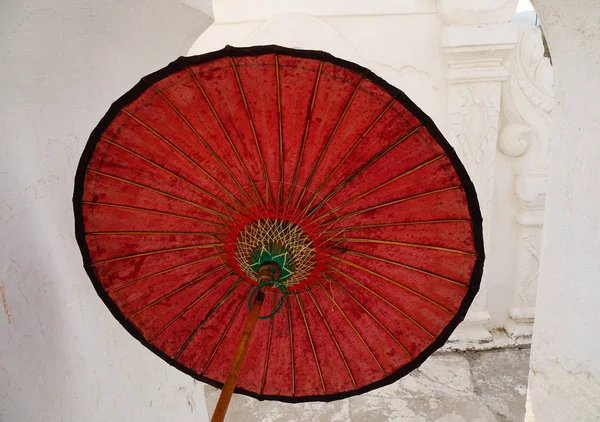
531, 192
475, 74
526, 105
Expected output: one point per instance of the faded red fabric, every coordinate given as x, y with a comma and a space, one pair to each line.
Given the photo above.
176, 166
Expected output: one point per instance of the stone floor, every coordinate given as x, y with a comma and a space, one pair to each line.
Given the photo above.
449, 387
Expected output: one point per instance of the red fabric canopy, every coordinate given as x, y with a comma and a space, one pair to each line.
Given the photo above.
213, 144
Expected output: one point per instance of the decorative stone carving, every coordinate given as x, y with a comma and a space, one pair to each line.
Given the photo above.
475, 75
531, 192
516, 138
526, 104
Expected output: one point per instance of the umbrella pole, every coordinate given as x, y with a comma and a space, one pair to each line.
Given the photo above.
267, 272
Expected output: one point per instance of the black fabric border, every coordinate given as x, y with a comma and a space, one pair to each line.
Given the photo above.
229, 51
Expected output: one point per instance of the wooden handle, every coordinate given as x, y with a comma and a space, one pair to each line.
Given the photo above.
265, 273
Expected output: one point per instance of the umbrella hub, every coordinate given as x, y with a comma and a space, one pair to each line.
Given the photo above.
280, 241
273, 253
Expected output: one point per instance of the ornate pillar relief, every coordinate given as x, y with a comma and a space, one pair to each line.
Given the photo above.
475, 75
527, 101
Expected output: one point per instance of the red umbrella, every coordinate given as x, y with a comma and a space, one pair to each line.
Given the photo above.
291, 167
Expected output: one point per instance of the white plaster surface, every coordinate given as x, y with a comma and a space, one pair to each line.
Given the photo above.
564, 382
237, 11
63, 357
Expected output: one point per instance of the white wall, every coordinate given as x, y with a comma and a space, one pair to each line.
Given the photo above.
564, 381
63, 357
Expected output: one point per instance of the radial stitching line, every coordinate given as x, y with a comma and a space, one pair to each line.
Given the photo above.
260, 155
373, 317
264, 377
214, 351
167, 270
408, 267
177, 290
387, 204
312, 296
182, 248
226, 133
395, 243
402, 223
352, 326
200, 189
168, 195
402, 286
354, 146
365, 166
311, 343
306, 129
387, 302
183, 154
215, 307
329, 140
131, 207
380, 186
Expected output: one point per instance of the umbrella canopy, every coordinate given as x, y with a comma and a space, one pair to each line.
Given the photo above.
220, 163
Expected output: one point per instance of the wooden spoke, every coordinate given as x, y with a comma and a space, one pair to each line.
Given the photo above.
352, 148
196, 187
373, 317
383, 277
312, 345
401, 223
387, 204
136, 255
306, 128
394, 243
289, 311
264, 376
362, 340
168, 270
225, 331
108, 233
178, 289
331, 136
160, 192
362, 168
332, 336
229, 140
169, 214
408, 267
260, 154
195, 301
180, 152
203, 141
384, 300
374, 189
206, 318
280, 194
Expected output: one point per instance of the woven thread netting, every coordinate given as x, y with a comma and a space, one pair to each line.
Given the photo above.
276, 233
